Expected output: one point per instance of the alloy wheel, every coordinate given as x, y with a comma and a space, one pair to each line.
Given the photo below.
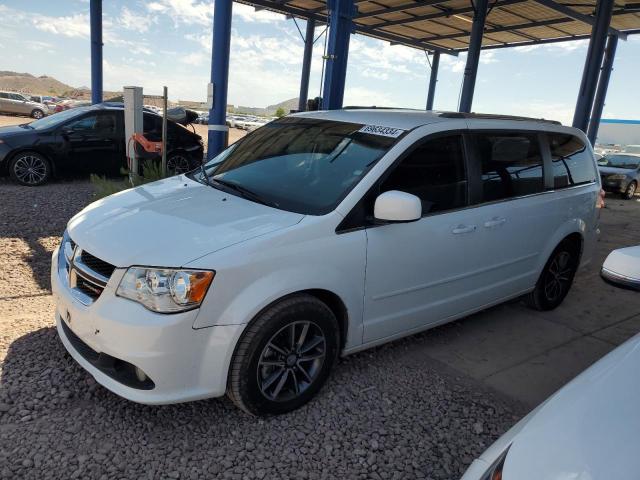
631, 190
558, 277
178, 164
30, 169
38, 114
291, 361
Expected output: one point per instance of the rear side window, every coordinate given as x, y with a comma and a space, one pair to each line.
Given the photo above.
511, 165
572, 162
435, 173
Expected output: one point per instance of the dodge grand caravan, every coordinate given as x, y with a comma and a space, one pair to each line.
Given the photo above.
319, 235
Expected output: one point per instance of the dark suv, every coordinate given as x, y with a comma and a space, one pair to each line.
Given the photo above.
87, 140
620, 173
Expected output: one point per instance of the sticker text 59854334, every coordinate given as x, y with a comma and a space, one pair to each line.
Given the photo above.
383, 131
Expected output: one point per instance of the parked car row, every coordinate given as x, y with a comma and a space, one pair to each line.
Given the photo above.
87, 140
18, 104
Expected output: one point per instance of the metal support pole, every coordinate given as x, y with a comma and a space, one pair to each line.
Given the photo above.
306, 65
433, 79
218, 130
603, 85
165, 100
340, 26
95, 23
473, 56
592, 64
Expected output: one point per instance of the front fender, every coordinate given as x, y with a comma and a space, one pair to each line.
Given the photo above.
257, 277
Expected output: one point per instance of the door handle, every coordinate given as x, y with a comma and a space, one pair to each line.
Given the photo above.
463, 229
494, 222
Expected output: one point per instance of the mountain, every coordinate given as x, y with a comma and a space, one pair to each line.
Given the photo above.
27, 83
287, 105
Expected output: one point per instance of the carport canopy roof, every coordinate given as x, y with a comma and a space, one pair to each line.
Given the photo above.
445, 26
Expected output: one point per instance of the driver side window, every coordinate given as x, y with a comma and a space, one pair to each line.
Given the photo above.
435, 173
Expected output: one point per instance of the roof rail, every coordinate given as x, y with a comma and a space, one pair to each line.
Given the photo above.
492, 116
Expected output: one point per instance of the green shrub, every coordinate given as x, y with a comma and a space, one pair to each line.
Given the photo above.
151, 172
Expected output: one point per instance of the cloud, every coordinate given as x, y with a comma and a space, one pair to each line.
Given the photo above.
251, 15
366, 96
69, 26
189, 12
196, 58
134, 21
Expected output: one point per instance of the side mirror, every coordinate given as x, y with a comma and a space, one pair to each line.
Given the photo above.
396, 206
622, 268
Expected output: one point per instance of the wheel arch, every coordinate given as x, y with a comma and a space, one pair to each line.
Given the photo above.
328, 298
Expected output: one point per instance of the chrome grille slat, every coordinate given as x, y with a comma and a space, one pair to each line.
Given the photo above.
85, 275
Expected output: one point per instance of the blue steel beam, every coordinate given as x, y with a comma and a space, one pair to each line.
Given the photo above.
340, 28
603, 85
306, 65
473, 56
433, 79
592, 64
95, 23
218, 130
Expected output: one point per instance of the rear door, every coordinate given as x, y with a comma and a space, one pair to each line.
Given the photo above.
19, 104
513, 210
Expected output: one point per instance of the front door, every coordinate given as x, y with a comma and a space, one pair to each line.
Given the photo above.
92, 144
421, 272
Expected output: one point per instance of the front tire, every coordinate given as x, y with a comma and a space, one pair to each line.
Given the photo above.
630, 191
284, 357
30, 169
556, 278
37, 114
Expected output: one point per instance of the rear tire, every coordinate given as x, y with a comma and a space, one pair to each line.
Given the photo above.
284, 356
630, 191
556, 278
30, 169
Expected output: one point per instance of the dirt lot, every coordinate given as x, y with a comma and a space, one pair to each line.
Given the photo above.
422, 407
234, 133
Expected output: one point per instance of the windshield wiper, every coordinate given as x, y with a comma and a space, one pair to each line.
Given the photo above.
244, 192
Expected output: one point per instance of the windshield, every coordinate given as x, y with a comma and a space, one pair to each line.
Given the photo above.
56, 119
622, 161
302, 165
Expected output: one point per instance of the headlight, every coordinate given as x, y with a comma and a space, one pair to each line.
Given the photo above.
494, 472
616, 177
165, 290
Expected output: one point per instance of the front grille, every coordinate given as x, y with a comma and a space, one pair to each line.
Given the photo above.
85, 275
100, 266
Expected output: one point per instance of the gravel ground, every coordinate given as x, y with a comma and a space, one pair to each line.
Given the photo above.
386, 413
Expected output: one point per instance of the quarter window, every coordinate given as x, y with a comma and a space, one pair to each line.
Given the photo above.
511, 165
435, 173
571, 160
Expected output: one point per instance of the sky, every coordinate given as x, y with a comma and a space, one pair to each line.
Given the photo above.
168, 42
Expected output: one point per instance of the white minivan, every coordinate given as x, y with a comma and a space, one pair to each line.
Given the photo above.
318, 235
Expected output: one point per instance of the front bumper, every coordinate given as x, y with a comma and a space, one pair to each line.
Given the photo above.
183, 363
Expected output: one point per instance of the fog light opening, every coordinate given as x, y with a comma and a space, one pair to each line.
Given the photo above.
140, 375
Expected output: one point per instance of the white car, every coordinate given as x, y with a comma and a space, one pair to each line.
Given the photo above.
318, 235
588, 430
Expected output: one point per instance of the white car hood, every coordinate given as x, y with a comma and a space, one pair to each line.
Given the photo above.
589, 430
170, 223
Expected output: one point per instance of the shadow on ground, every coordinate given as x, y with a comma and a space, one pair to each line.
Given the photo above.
386, 413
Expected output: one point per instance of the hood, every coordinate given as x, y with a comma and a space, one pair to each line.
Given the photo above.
612, 170
13, 130
170, 223
589, 429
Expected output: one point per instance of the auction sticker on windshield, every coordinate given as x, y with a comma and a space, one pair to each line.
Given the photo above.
383, 131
